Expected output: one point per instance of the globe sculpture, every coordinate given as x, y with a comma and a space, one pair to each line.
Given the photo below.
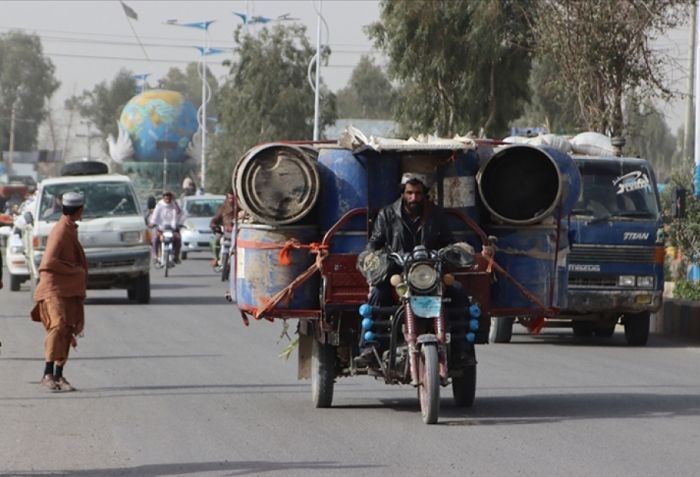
159, 115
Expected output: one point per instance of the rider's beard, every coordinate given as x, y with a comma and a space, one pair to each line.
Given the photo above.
415, 207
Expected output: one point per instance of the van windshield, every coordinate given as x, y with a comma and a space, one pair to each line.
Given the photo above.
102, 199
616, 188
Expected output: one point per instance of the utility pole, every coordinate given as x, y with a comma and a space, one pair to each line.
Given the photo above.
11, 154
688, 137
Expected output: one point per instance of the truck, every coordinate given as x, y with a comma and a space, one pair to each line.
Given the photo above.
616, 252
112, 230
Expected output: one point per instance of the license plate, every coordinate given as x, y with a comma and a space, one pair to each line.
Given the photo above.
426, 306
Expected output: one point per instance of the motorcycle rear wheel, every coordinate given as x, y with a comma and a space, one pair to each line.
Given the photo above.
429, 387
166, 262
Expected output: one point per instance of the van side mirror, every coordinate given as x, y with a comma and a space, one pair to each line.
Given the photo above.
678, 203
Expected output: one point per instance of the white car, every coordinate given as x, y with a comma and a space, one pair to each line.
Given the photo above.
112, 230
195, 231
15, 261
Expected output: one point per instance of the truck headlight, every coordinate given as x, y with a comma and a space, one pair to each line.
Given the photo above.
626, 281
131, 237
422, 276
645, 282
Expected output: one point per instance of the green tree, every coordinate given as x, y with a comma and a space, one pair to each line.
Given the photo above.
103, 105
190, 85
27, 78
462, 65
549, 106
266, 97
650, 137
368, 94
604, 52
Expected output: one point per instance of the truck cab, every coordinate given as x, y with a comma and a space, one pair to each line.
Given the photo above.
112, 231
617, 253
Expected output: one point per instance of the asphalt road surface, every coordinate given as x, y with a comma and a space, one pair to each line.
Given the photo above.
180, 387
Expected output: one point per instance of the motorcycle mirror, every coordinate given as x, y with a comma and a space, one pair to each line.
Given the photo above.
449, 279
396, 280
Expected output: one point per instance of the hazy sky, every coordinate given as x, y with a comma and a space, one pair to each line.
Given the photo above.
89, 41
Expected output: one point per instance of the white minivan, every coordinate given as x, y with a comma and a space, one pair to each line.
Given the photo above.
112, 230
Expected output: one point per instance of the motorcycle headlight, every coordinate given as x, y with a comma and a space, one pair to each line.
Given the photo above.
422, 276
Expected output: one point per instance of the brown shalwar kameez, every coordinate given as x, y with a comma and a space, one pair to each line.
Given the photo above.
60, 294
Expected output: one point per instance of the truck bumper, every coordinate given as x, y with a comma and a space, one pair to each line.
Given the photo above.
606, 301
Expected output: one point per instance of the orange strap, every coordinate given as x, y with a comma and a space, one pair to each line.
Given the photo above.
286, 248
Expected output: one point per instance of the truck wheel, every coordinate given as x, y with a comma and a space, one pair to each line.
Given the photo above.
131, 293
143, 289
84, 168
637, 328
464, 387
322, 374
501, 330
14, 282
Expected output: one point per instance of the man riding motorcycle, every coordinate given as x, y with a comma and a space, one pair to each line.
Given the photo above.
410, 221
223, 218
167, 212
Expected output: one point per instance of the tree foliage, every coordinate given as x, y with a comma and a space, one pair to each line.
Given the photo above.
650, 137
604, 53
265, 97
189, 84
103, 105
26, 76
462, 65
368, 94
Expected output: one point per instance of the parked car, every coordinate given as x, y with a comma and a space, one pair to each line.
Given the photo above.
112, 230
195, 232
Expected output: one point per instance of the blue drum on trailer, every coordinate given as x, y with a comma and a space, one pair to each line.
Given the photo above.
528, 255
259, 275
459, 188
344, 185
523, 184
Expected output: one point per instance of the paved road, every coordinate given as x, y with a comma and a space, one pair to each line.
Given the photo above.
182, 387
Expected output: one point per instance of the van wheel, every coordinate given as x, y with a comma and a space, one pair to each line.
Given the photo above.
183, 255
14, 282
84, 168
143, 289
131, 293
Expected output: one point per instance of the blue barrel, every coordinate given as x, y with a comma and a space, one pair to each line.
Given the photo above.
528, 255
259, 275
523, 184
344, 185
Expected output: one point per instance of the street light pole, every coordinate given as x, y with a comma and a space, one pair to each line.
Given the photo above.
318, 75
11, 154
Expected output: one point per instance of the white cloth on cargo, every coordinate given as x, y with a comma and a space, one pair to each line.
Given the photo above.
552, 140
592, 144
352, 138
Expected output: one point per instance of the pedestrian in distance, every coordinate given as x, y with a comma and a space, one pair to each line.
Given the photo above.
60, 295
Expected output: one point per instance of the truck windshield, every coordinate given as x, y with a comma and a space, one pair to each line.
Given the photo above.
616, 188
102, 199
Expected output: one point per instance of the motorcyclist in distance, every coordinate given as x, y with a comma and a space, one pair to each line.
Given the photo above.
167, 212
223, 217
410, 221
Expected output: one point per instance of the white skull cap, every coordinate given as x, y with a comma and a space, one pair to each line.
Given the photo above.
409, 176
72, 199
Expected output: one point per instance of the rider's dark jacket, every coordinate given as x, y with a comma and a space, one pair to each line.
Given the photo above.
394, 230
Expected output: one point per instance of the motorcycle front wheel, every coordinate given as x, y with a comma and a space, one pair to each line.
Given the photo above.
166, 262
429, 387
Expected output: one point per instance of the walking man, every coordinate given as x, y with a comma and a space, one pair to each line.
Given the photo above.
60, 294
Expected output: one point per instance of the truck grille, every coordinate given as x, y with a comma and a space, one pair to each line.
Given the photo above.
111, 264
593, 281
610, 254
